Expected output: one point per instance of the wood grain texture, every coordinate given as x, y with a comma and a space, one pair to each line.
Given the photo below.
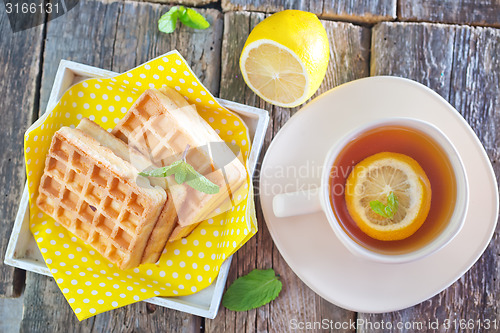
464, 68
475, 93
366, 11
473, 12
19, 69
424, 53
90, 43
51, 314
475, 84
111, 37
190, 3
121, 35
349, 60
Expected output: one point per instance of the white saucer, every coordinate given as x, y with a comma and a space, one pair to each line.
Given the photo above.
307, 242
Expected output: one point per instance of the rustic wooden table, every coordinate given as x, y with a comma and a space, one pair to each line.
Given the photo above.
451, 47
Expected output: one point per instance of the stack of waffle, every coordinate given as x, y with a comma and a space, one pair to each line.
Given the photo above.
161, 125
91, 183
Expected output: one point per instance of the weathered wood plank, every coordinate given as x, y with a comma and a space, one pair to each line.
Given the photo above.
90, 43
200, 48
472, 12
190, 3
349, 60
475, 93
475, 83
367, 11
461, 64
19, 69
106, 39
271, 6
422, 52
50, 314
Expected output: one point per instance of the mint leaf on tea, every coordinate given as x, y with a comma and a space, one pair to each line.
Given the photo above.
388, 210
392, 205
378, 208
253, 290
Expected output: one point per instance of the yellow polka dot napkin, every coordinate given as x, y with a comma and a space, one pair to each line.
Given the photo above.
90, 283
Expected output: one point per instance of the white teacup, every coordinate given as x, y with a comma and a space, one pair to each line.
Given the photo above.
306, 202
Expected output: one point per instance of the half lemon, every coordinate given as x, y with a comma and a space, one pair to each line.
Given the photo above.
285, 57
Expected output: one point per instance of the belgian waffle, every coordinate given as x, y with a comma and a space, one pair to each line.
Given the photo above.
168, 217
161, 124
99, 197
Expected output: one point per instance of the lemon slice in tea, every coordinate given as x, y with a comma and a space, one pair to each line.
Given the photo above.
374, 179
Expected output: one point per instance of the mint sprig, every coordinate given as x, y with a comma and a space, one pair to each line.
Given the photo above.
168, 21
388, 210
188, 16
253, 290
184, 172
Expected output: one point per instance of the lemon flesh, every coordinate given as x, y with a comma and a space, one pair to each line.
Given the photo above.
275, 73
375, 178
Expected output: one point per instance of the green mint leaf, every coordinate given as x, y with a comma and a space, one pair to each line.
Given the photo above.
180, 175
163, 172
253, 290
184, 172
388, 210
188, 16
199, 182
392, 205
168, 21
193, 19
378, 208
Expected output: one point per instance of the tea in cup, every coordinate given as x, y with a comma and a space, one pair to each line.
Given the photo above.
393, 191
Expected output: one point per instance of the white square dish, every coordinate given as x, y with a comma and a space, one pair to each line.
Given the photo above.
23, 252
